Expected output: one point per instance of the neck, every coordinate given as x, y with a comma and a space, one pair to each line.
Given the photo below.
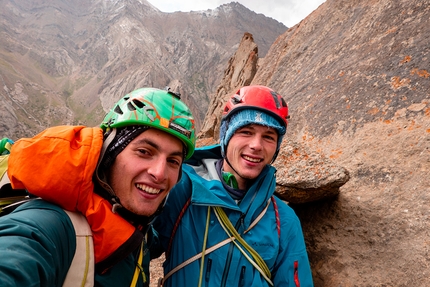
242, 182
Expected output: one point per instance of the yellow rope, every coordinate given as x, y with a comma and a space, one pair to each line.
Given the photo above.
139, 268
204, 246
258, 262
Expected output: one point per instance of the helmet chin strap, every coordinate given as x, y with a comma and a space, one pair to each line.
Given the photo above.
228, 162
274, 156
101, 176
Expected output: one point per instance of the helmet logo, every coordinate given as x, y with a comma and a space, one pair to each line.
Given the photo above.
164, 122
180, 129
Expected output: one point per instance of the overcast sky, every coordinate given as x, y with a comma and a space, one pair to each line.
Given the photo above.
288, 12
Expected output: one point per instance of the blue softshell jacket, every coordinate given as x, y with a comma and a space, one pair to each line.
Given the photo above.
284, 254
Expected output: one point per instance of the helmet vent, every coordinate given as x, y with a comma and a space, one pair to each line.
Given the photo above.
276, 99
236, 100
131, 107
118, 110
284, 103
138, 103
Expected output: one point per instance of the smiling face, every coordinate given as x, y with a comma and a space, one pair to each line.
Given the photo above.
146, 170
249, 150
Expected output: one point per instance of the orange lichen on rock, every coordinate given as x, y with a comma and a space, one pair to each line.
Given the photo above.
421, 73
373, 111
335, 154
406, 59
392, 30
397, 83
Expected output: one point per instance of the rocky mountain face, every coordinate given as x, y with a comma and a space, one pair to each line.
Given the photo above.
356, 160
67, 62
356, 77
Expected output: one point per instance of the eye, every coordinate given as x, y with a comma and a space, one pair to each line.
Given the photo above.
175, 161
244, 131
271, 138
144, 151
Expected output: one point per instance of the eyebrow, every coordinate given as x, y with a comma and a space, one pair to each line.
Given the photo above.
156, 146
271, 130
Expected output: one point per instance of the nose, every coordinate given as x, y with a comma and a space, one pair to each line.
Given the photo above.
255, 142
157, 169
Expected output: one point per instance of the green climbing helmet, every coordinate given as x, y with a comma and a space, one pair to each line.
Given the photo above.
160, 109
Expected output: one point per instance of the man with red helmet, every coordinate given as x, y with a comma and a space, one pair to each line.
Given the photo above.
224, 225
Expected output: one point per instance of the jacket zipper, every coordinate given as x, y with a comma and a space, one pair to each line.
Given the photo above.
227, 265
242, 277
208, 270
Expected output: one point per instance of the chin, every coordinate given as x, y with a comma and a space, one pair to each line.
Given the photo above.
251, 176
146, 212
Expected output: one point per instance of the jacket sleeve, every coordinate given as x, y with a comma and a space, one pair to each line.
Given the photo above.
37, 245
292, 268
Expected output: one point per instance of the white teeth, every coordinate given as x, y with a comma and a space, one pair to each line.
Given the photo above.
148, 189
251, 159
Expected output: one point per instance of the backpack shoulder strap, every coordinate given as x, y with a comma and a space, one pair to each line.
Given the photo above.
81, 271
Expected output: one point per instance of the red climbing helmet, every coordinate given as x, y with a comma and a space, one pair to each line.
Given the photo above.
260, 98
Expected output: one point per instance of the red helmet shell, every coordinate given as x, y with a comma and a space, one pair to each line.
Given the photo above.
260, 98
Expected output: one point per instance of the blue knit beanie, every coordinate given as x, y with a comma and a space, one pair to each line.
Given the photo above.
246, 117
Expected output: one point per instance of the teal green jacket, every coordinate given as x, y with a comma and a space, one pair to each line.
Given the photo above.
37, 245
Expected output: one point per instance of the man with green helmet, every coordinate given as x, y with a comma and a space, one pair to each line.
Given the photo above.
117, 176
